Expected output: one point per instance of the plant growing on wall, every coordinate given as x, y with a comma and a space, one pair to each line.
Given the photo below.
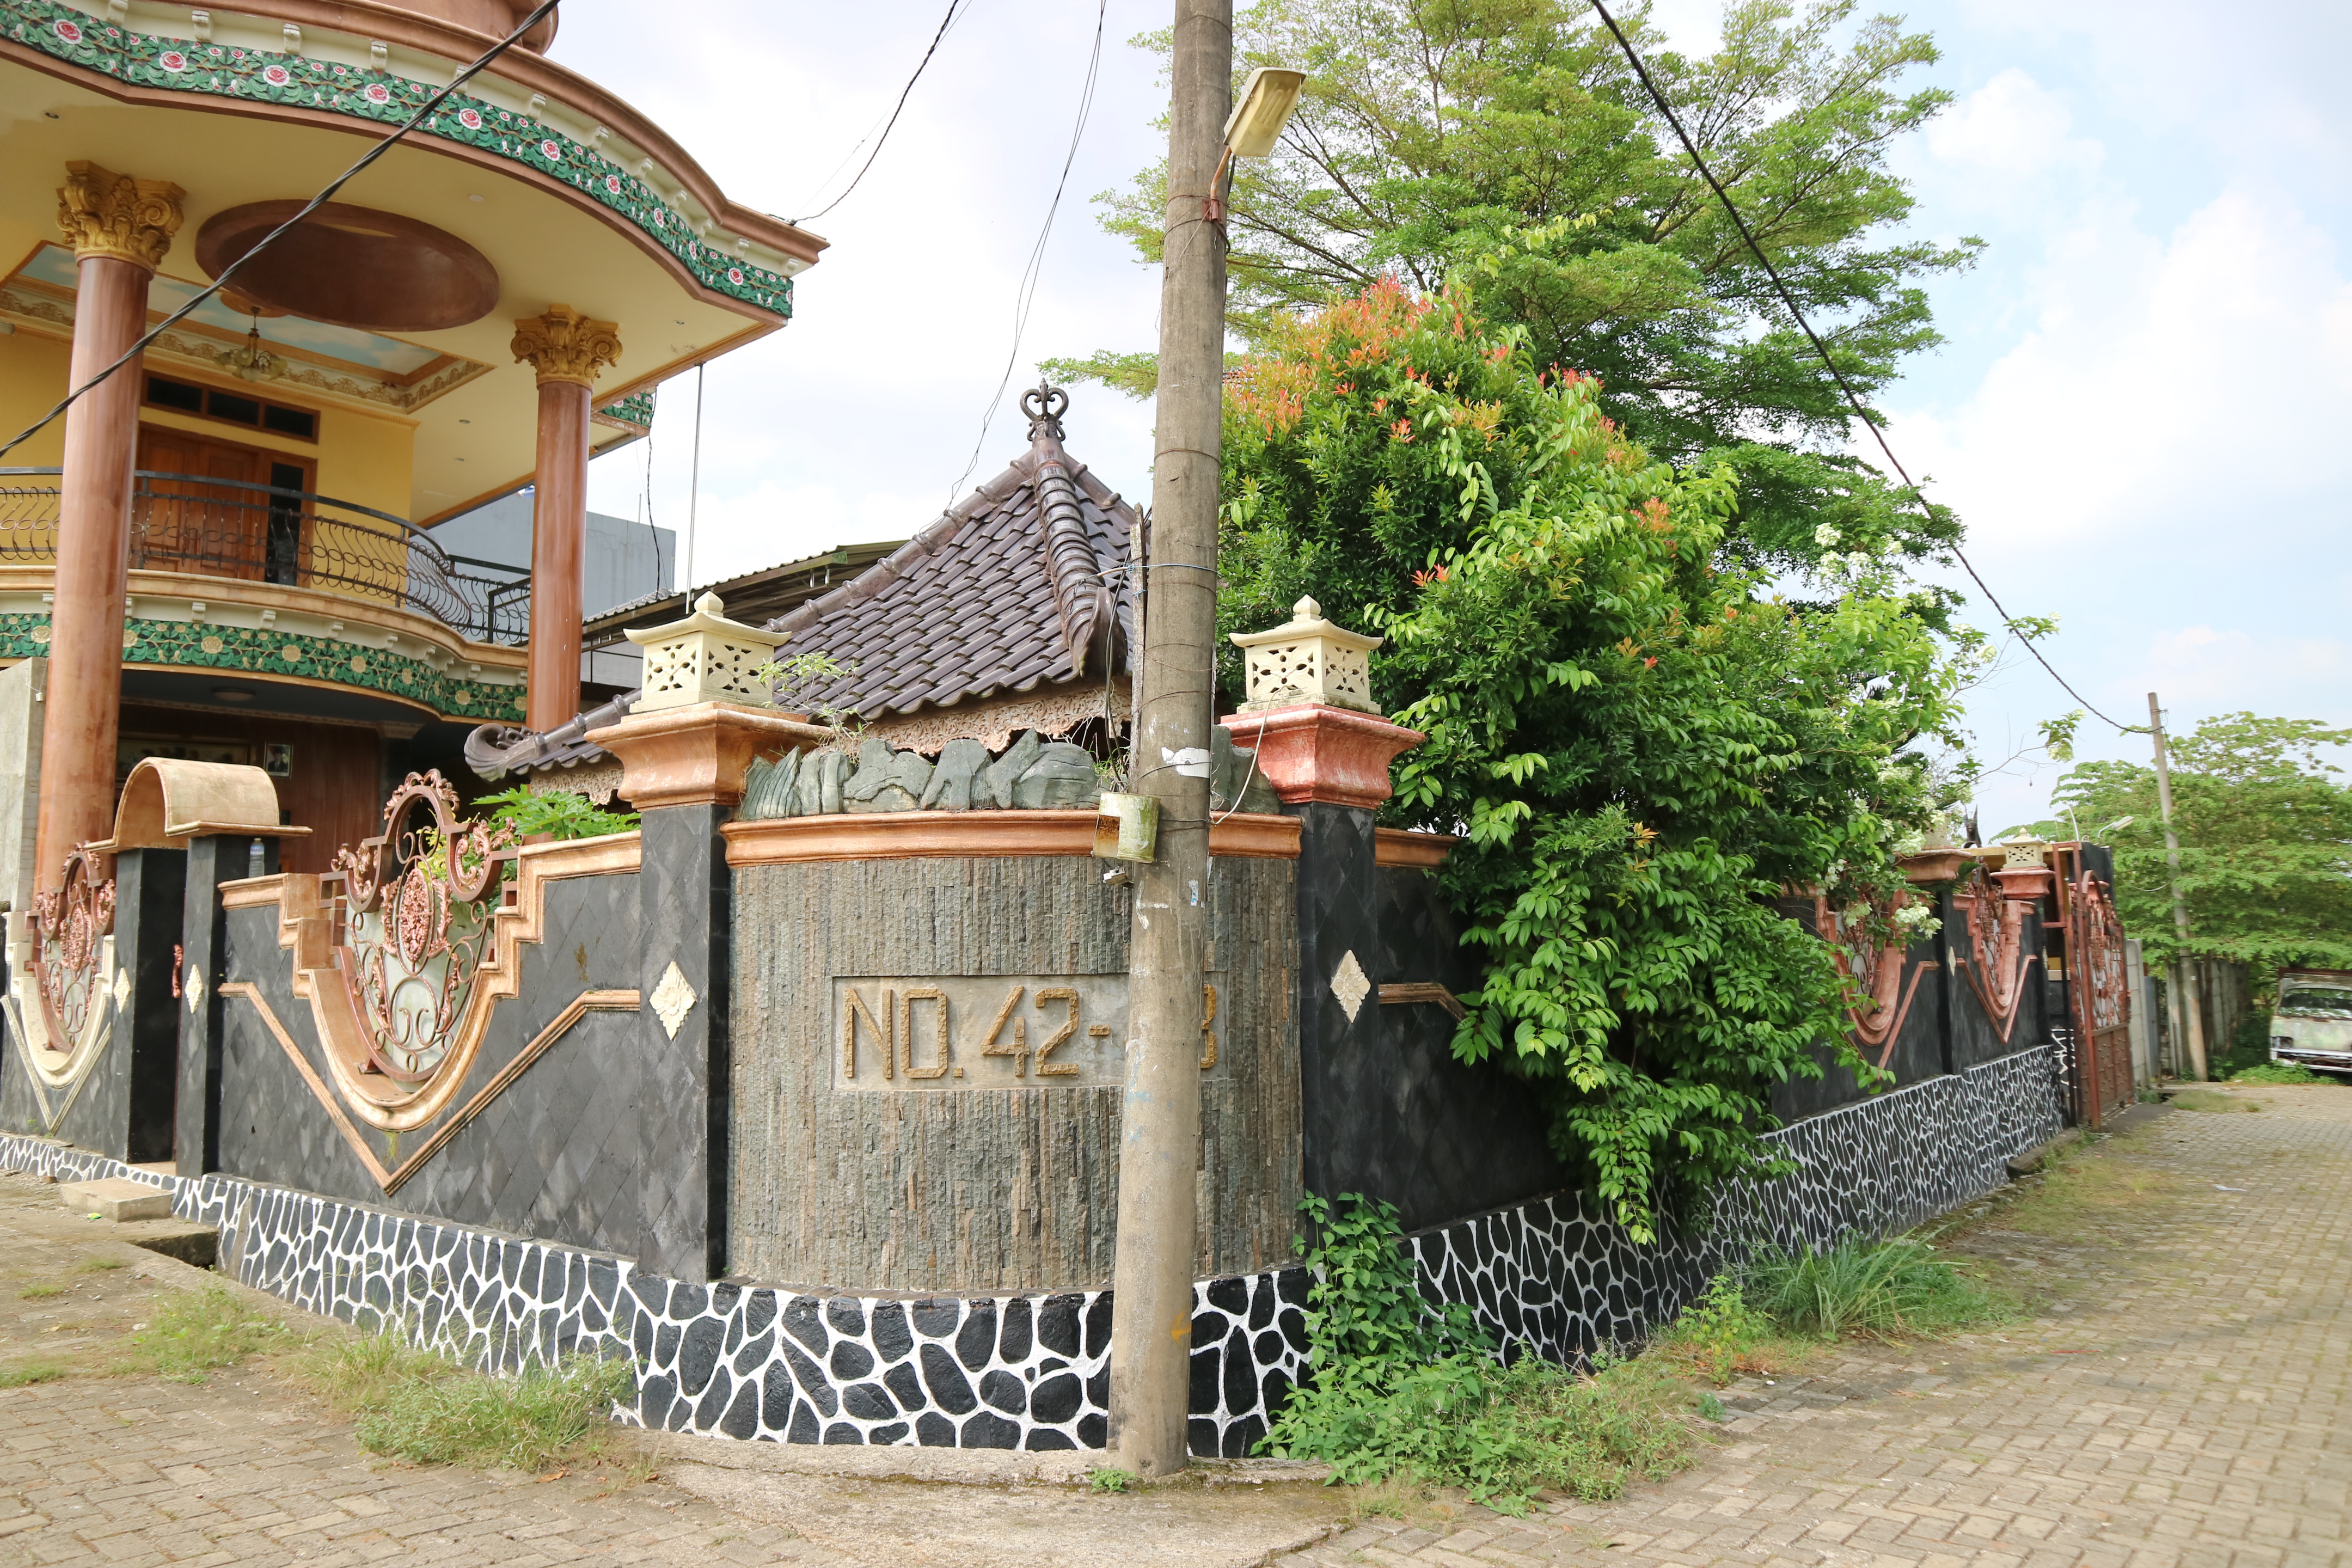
1642, 747
558, 813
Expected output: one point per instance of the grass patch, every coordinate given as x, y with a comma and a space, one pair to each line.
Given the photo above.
2276, 1072
2208, 1099
1102, 1478
412, 1404
98, 1265
1885, 1290
199, 1332
26, 1373
41, 1290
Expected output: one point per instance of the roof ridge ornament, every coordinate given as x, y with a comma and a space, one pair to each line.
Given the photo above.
1044, 404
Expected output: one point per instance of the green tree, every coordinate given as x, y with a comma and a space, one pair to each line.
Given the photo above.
1641, 748
1508, 143
2265, 835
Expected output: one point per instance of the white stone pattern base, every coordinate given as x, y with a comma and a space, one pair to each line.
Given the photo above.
1032, 1371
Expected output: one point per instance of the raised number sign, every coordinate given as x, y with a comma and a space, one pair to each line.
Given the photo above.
955, 1032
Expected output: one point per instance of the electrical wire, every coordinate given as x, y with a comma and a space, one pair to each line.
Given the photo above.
1027, 287
337, 183
1633, 57
955, 8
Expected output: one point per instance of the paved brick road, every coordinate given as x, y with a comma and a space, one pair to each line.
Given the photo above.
2178, 1404
2181, 1405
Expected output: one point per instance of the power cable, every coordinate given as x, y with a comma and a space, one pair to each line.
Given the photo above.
1027, 287
337, 183
955, 8
1781, 288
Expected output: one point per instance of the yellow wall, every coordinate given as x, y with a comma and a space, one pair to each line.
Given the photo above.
32, 378
365, 458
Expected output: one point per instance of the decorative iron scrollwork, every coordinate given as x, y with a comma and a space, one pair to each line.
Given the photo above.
2099, 951
71, 924
417, 910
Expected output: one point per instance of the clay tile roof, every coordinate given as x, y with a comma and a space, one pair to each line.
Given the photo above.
1020, 585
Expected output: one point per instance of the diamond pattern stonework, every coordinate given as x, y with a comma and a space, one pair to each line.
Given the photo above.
673, 999
1350, 986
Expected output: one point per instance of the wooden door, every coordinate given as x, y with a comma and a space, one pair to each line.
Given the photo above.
187, 525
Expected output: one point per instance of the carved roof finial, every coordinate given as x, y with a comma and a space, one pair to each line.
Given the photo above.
1044, 405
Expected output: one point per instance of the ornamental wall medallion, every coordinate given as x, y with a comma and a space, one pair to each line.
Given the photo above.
65, 989
1349, 985
672, 999
1871, 946
1991, 951
413, 926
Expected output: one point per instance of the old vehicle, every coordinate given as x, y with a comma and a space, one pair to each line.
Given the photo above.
2313, 1021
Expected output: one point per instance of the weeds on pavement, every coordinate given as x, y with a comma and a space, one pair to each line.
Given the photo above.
41, 1290
2209, 1099
201, 1331
1722, 1335
1893, 1289
1102, 1478
98, 1265
31, 1372
412, 1404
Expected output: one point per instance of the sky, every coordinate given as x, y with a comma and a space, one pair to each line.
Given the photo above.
2139, 413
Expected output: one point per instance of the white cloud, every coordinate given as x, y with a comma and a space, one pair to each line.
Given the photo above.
2013, 129
2124, 408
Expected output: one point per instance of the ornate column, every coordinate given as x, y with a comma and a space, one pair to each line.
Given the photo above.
120, 228
567, 350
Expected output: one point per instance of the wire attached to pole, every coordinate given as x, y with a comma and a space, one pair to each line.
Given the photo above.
1633, 57
234, 267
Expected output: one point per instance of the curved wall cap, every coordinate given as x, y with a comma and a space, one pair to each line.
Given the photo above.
167, 801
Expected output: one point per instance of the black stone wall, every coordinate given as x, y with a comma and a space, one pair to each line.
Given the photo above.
123, 1107
569, 1153
1386, 1109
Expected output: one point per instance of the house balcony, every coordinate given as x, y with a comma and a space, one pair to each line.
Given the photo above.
260, 600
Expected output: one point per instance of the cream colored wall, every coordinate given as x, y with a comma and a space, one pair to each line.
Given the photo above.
32, 378
362, 457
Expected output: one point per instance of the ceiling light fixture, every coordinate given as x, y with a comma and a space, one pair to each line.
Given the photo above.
232, 694
252, 361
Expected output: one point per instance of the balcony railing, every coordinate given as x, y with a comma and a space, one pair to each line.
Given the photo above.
226, 528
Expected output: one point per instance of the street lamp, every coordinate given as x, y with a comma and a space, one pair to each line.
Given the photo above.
1268, 99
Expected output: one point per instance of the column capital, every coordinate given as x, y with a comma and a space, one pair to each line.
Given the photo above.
102, 212
565, 345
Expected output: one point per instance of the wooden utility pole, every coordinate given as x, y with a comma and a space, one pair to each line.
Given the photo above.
2187, 1006
1159, 1135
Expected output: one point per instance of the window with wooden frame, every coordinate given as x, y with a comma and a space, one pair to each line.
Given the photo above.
233, 408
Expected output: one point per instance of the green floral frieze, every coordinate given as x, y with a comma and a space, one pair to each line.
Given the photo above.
637, 409
259, 75
258, 650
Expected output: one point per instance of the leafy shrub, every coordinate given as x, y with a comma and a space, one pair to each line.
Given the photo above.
2276, 1072
1399, 1390
1720, 1335
1883, 1289
562, 813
